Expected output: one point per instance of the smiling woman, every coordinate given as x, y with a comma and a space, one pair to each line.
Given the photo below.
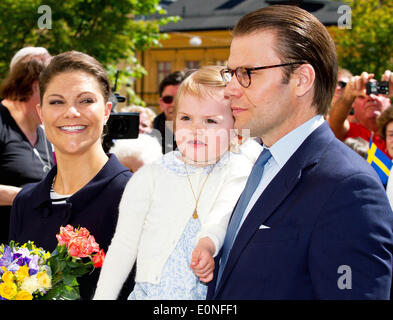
86, 185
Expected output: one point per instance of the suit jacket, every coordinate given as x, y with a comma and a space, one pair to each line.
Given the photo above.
95, 207
330, 234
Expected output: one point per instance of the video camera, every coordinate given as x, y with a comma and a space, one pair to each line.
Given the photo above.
375, 87
121, 125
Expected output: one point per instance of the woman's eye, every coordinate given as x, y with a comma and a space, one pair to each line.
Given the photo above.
87, 100
55, 102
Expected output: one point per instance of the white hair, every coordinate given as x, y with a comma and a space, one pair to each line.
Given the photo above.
145, 148
26, 51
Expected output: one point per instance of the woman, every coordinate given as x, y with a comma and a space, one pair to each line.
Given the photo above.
25, 154
85, 187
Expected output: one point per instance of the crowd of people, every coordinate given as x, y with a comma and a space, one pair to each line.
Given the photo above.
243, 187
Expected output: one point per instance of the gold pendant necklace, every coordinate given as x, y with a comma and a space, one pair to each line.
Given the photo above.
195, 213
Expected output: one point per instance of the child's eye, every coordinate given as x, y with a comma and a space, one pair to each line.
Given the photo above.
185, 118
211, 121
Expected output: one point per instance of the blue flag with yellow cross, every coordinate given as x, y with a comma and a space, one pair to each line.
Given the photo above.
379, 161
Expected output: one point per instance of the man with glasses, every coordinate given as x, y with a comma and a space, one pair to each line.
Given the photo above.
313, 221
164, 121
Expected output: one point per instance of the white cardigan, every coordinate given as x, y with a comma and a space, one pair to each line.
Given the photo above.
157, 204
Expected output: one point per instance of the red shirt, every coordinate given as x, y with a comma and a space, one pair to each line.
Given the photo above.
357, 130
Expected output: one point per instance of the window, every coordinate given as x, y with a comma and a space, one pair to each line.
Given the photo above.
163, 69
192, 64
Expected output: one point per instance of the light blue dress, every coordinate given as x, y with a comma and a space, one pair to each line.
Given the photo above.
178, 281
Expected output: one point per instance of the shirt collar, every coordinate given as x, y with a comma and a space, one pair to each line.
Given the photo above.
284, 148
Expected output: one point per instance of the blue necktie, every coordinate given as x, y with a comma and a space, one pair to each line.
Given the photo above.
252, 183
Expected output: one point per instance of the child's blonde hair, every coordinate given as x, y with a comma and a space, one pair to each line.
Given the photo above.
201, 82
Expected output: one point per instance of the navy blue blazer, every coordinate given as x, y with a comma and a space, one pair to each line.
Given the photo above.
330, 236
95, 207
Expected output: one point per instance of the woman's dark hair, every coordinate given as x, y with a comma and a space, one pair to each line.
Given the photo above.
299, 37
75, 61
18, 84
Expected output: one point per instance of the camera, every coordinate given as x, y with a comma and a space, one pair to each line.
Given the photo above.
375, 87
123, 125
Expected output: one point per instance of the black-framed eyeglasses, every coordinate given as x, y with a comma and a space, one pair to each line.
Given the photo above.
243, 74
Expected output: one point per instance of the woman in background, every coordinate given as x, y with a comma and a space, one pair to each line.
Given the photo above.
25, 153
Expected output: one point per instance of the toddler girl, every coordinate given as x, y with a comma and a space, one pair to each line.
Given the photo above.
174, 212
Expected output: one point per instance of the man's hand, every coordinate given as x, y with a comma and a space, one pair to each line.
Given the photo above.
388, 76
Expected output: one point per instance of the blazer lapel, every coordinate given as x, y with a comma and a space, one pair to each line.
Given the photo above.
275, 193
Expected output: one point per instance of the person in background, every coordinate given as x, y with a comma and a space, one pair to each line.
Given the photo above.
385, 128
174, 212
135, 153
164, 121
85, 187
146, 117
366, 109
358, 145
25, 154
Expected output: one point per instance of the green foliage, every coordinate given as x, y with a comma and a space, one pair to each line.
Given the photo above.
110, 30
368, 45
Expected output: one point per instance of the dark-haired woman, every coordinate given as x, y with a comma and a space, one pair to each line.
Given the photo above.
85, 187
25, 154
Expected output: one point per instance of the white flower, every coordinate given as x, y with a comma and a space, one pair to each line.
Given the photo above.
30, 284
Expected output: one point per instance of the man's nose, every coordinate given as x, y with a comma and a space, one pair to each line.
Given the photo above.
233, 88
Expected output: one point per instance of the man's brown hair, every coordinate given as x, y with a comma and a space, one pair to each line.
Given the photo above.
299, 37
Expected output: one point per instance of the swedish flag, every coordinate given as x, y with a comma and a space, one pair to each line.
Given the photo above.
379, 161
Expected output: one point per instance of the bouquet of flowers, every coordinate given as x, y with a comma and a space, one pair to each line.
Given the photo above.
28, 272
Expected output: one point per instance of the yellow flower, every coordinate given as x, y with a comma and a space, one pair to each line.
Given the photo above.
22, 273
43, 280
8, 276
23, 295
4, 269
8, 290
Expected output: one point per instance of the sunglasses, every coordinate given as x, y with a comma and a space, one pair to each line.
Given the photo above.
167, 99
341, 84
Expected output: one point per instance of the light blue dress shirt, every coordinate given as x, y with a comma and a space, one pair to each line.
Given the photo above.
281, 151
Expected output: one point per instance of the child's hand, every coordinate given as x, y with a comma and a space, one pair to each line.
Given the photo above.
202, 262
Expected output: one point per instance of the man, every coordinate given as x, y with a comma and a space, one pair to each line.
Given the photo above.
164, 121
367, 108
318, 225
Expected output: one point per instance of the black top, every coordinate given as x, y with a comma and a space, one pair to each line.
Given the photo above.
19, 164
94, 207
168, 142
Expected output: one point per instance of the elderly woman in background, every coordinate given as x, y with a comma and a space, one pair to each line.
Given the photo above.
135, 153
385, 128
25, 154
85, 187
146, 117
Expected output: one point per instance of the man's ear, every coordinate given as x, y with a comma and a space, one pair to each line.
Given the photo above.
305, 77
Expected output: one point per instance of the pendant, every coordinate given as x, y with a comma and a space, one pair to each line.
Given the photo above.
195, 214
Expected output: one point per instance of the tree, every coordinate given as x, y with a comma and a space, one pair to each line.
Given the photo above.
110, 30
367, 46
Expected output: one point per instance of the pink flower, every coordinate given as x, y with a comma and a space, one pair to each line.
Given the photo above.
98, 259
82, 247
65, 235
